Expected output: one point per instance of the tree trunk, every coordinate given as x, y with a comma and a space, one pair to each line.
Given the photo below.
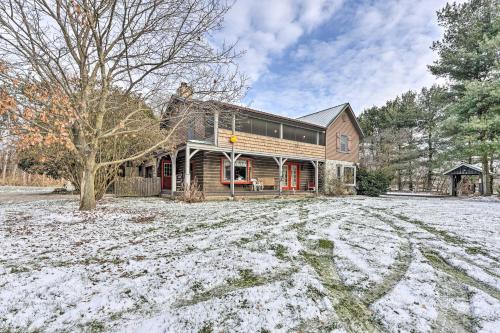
14, 171
429, 163
400, 183
492, 173
4, 169
486, 175
410, 176
87, 192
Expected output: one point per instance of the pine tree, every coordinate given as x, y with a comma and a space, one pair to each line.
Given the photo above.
431, 103
469, 57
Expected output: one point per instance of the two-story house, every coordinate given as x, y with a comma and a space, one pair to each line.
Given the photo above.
232, 150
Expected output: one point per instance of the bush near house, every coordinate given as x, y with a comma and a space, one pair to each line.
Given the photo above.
372, 183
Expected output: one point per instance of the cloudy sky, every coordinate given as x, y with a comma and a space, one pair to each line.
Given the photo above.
306, 55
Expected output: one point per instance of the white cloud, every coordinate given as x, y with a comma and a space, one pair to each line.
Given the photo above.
266, 28
381, 52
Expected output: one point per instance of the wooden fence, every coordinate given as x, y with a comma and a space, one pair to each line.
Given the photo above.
137, 187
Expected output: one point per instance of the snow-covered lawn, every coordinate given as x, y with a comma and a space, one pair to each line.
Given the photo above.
350, 264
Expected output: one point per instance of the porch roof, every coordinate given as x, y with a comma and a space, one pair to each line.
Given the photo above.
207, 147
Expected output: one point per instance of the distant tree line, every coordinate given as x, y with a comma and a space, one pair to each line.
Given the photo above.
415, 136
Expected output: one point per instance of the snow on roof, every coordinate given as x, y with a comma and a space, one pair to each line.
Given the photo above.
323, 117
473, 167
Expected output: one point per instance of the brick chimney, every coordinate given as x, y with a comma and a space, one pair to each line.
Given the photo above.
185, 90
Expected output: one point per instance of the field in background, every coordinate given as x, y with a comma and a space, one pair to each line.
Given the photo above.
351, 264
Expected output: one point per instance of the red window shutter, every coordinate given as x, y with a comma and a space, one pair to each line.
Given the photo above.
349, 143
338, 142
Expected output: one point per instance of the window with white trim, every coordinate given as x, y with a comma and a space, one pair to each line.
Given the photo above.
242, 170
349, 175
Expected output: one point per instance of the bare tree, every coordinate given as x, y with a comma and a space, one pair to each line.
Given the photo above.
79, 50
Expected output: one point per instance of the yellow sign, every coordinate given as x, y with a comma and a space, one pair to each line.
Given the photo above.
233, 139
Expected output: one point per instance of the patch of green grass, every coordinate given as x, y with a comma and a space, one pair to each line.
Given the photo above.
247, 279
325, 244
279, 251
197, 286
445, 235
476, 250
96, 326
18, 269
461, 276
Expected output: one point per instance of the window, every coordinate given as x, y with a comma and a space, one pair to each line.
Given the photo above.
349, 175
344, 143
273, 129
339, 172
305, 135
258, 126
269, 128
322, 139
243, 124
299, 134
167, 169
242, 171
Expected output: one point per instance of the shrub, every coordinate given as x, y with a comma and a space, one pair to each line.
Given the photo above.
335, 187
372, 183
193, 192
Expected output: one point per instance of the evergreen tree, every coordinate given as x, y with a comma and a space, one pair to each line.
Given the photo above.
431, 103
469, 57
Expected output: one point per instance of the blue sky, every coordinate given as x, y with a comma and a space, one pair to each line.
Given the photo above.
306, 55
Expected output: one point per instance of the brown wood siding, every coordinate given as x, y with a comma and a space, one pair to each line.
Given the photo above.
265, 144
343, 125
263, 167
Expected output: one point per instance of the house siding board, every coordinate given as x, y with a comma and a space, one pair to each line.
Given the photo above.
346, 127
264, 144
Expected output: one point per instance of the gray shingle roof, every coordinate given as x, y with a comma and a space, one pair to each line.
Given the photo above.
323, 117
471, 166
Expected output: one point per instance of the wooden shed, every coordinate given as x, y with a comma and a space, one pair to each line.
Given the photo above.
457, 173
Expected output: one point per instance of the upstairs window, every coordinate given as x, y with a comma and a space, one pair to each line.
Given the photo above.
299, 134
344, 143
322, 140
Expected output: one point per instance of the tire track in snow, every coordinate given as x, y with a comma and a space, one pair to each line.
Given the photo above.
447, 320
401, 266
353, 313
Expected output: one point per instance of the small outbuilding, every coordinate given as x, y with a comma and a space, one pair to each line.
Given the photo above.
465, 172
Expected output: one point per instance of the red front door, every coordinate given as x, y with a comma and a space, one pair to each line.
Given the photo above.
291, 176
166, 174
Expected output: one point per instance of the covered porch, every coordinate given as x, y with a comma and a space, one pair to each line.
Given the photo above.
222, 172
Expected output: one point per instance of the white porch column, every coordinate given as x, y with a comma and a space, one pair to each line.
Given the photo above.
281, 161
232, 159
216, 128
187, 167
280, 180
232, 155
316, 176
355, 168
173, 186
